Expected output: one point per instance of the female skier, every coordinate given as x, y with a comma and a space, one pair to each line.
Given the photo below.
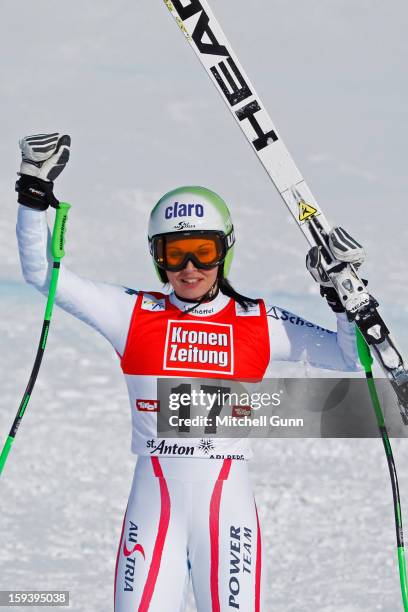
191, 511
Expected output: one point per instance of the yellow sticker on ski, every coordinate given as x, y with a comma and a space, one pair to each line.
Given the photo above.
306, 211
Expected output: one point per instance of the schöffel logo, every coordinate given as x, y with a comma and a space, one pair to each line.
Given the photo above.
148, 405
184, 210
199, 346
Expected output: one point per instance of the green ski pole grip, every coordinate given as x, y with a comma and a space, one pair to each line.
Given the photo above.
58, 234
366, 360
363, 351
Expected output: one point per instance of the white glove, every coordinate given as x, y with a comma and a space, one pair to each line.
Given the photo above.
344, 248
44, 156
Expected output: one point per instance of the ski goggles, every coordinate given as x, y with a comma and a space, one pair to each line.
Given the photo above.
204, 249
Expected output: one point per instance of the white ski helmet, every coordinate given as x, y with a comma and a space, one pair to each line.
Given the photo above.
192, 210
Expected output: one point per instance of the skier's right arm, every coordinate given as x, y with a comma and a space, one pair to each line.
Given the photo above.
107, 308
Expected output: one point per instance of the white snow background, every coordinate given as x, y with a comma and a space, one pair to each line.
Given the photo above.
144, 118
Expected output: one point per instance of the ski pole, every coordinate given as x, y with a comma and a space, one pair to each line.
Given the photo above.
58, 238
367, 361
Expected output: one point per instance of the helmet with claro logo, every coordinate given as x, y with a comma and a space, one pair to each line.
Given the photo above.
191, 212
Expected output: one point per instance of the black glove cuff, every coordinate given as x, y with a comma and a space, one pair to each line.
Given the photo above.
35, 193
332, 297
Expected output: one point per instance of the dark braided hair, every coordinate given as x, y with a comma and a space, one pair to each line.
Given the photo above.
227, 289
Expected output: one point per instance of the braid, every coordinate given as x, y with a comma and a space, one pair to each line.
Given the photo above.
227, 289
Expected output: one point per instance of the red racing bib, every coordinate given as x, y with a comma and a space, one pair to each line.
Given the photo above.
163, 341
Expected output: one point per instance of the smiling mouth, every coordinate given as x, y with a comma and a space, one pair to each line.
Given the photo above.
190, 282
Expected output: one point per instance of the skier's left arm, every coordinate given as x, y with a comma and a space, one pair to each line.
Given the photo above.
293, 338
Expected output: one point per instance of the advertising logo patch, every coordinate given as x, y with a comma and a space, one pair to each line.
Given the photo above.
184, 225
184, 210
241, 411
206, 445
162, 448
129, 554
151, 303
199, 346
144, 405
253, 310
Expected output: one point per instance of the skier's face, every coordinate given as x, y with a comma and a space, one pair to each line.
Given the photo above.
191, 282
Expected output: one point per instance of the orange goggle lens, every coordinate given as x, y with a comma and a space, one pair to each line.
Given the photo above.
173, 252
